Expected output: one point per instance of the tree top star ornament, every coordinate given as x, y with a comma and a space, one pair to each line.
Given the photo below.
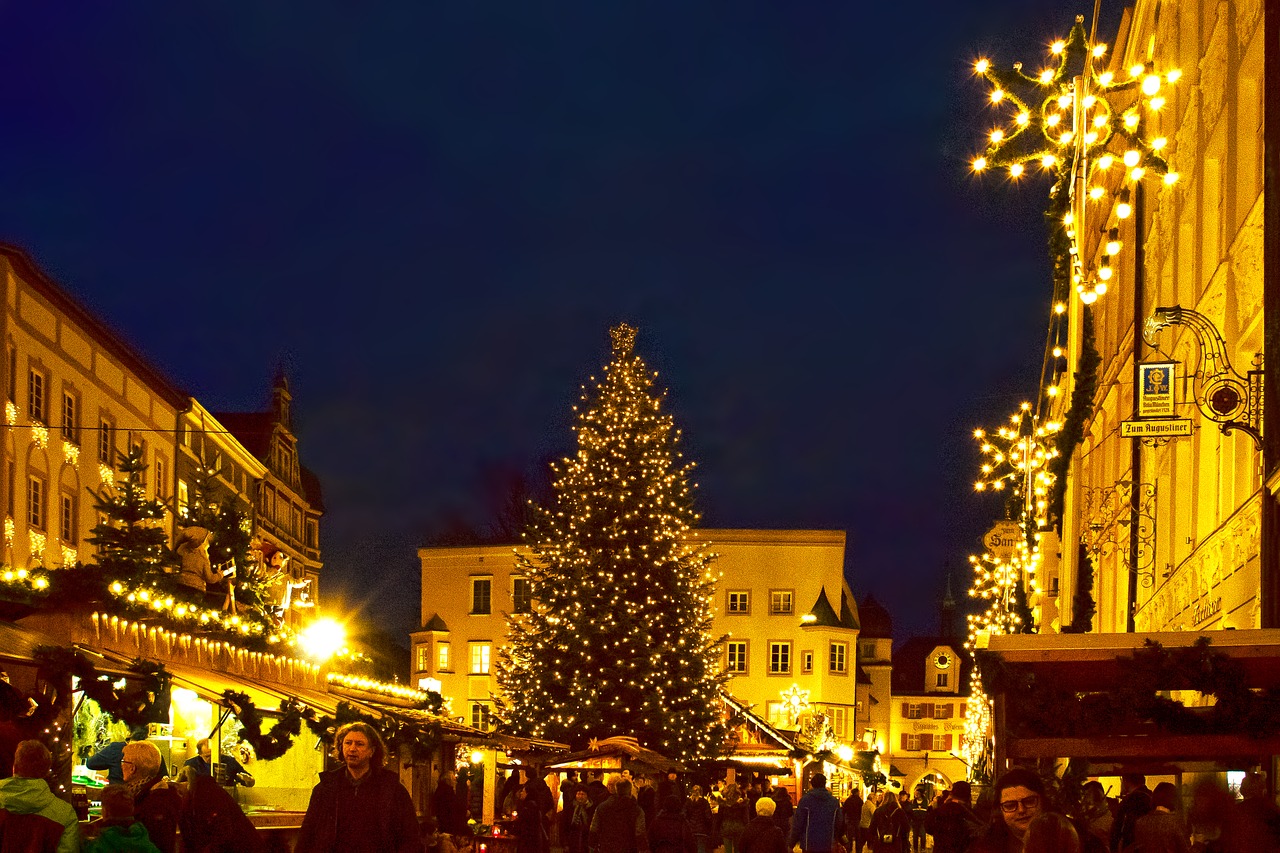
1088, 127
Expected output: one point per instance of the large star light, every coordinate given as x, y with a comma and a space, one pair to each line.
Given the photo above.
1077, 121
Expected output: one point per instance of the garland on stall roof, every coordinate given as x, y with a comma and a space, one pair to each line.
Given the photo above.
273, 743
1039, 708
420, 739
143, 699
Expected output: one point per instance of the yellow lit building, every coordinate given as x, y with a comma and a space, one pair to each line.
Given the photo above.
76, 397
1171, 525
782, 602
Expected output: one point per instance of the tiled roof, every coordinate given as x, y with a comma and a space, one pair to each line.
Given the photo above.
910, 663
876, 623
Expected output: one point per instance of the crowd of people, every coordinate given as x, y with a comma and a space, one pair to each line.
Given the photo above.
1023, 814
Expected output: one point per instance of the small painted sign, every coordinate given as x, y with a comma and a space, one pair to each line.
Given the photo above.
1162, 428
1002, 540
1155, 389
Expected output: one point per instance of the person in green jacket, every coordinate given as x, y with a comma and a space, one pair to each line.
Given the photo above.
27, 793
121, 833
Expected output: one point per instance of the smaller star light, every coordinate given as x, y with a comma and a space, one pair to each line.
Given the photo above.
796, 700
1017, 454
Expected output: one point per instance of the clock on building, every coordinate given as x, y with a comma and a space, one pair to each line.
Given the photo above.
942, 661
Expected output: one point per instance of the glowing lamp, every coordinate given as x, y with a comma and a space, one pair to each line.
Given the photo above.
1131, 120
1096, 193
1150, 84
477, 756
1016, 170
1057, 352
1174, 75
981, 66
1058, 47
1099, 50
1105, 78
1104, 273
322, 639
1048, 161
1046, 76
1088, 297
1100, 288
997, 135
979, 164
1053, 120
1136, 70
1171, 178
997, 96
1131, 158
1136, 173
1156, 104
1023, 118
1100, 121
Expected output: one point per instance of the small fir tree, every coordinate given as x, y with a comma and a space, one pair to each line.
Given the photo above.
131, 542
618, 638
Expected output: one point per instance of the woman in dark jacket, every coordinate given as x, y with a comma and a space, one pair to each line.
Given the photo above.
669, 832
890, 827
733, 817
762, 835
698, 812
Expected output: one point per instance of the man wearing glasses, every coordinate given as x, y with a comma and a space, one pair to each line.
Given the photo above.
1020, 796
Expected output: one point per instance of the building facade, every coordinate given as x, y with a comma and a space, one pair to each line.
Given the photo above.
790, 622
1169, 529
76, 399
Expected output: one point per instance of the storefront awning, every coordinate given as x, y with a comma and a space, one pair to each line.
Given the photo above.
1087, 664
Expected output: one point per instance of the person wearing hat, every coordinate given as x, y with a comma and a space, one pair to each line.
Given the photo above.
196, 571
955, 823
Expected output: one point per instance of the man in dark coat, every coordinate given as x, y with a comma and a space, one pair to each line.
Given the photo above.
852, 808
762, 834
445, 805
1135, 801
954, 823
818, 820
618, 825
360, 807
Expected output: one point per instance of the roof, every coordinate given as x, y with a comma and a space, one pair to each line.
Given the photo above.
876, 622
911, 663
71, 308
848, 612
756, 720
253, 430
824, 615
435, 623
620, 753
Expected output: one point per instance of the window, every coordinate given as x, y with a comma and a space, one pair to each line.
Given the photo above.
736, 661
162, 483
839, 658
35, 396
481, 595
479, 658
68, 519
927, 741
106, 442
839, 720
942, 679
13, 375
911, 741
480, 716
739, 601
423, 658
780, 602
520, 598
777, 713
443, 664
35, 502
868, 651
183, 497
70, 417
913, 710
941, 711
806, 661
779, 658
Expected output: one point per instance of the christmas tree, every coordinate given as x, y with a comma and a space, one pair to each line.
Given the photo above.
618, 639
131, 540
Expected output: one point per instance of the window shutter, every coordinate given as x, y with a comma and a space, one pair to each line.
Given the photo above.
964, 709
904, 740
946, 743
926, 741
926, 710
906, 709
942, 712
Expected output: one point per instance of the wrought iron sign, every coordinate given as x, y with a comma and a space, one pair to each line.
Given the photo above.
1108, 511
1221, 394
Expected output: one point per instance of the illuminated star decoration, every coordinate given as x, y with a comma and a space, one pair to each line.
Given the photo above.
796, 700
1088, 140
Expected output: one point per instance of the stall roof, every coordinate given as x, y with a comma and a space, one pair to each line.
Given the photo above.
1089, 661
1093, 662
19, 644
617, 753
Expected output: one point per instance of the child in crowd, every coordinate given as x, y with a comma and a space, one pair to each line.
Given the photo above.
120, 832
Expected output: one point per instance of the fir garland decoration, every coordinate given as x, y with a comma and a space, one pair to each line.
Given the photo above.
1081, 410
1083, 606
420, 739
276, 742
144, 698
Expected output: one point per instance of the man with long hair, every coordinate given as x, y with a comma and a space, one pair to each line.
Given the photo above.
360, 806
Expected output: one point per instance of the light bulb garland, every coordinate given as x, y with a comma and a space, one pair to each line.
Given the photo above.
1087, 127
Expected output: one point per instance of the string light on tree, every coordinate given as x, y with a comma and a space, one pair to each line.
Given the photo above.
617, 640
1090, 129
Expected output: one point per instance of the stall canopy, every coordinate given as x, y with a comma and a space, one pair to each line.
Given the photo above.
1157, 702
616, 754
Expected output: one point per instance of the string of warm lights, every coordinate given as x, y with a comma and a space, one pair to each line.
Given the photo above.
618, 638
372, 685
1090, 129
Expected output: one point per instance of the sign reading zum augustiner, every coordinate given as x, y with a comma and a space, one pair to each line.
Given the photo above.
1002, 539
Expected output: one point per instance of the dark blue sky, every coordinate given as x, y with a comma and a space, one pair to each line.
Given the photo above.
431, 214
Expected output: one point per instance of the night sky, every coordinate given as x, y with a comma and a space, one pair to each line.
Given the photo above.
430, 214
